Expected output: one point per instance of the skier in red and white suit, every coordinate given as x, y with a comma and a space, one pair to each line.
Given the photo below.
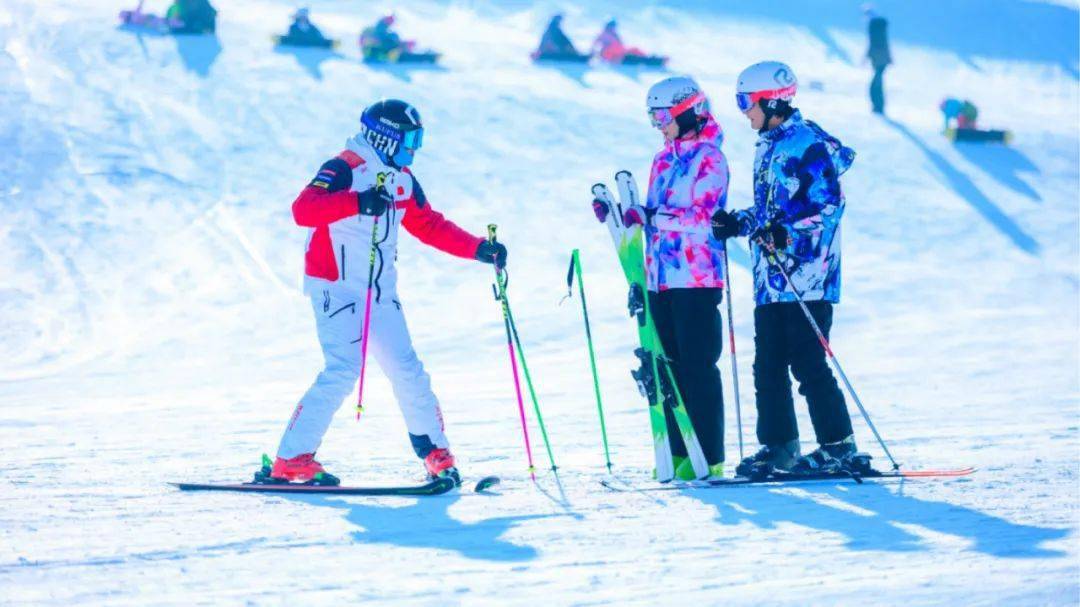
368, 186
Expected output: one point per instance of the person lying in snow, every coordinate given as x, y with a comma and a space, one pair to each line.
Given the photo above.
192, 17
303, 32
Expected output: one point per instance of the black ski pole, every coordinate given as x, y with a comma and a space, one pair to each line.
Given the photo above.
734, 359
771, 257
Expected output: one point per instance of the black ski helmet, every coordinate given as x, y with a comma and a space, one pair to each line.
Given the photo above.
394, 129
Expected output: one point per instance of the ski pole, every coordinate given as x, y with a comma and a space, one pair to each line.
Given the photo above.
529, 384
500, 294
575, 267
367, 317
731, 341
770, 255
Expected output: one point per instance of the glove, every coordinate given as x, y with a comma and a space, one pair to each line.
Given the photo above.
600, 209
773, 235
492, 252
637, 215
724, 225
373, 201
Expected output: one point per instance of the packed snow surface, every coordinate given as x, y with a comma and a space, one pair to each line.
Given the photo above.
152, 328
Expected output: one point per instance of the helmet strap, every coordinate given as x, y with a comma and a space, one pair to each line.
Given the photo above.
774, 108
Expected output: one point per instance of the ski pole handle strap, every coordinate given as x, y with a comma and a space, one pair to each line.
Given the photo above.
570, 272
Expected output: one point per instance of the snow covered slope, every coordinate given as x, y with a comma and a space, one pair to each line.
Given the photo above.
152, 329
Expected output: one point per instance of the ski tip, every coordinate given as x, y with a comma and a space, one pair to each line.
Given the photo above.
623, 172
486, 483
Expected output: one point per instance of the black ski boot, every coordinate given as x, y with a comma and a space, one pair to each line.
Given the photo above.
769, 458
841, 457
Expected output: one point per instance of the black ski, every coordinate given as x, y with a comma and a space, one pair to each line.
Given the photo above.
435, 487
780, 479
486, 483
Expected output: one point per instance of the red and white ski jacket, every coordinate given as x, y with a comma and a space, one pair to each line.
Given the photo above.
338, 248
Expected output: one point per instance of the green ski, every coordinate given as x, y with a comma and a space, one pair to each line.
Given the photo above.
654, 378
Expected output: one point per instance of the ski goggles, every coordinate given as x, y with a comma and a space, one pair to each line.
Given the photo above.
745, 101
413, 139
663, 116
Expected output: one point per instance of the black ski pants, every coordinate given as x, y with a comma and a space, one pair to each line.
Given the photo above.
784, 340
689, 325
877, 89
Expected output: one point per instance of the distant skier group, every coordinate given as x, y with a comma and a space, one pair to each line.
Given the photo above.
555, 45
379, 43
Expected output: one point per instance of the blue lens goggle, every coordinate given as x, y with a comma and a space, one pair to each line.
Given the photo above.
413, 139
745, 101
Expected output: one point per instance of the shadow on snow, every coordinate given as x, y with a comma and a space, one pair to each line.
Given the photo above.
966, 189
426, 523
873, 517
309, 58
1002, 163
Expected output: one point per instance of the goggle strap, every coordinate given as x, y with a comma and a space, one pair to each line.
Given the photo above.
686, 104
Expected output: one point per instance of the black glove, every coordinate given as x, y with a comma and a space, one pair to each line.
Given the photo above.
492, 252
374, 201
724, 225
774, 234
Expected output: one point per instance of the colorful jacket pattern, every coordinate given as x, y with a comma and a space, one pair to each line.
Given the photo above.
796, 184
687, 184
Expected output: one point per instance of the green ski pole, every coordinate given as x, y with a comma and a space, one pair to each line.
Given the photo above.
501, 294
575, 267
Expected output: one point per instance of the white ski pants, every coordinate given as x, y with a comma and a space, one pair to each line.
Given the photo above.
339, 320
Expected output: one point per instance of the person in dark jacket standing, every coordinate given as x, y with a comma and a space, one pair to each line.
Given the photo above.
879, 56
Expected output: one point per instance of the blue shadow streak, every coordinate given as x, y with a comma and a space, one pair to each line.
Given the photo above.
875, 526
427, 524
963, 186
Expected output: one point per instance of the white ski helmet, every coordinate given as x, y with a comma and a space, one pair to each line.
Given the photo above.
672, 99
765, 80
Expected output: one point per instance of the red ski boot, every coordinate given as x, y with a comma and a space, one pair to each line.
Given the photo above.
440, 463
300, 469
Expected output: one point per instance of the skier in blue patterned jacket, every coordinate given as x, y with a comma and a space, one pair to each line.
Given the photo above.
797, 208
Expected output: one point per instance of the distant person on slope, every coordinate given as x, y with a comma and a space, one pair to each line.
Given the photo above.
368, 181
879, 56
687, 185
382, 43
554, 43
610, 46
796, 212
303, 32
192, 17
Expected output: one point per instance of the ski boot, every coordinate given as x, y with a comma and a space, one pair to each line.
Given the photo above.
440, 464
300, 469
831, 458
779, 456
684, 471
676, 462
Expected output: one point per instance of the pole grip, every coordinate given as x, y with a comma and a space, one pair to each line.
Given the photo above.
491, 232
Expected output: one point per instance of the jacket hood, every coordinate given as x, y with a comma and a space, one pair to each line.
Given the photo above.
841, 155
710, 133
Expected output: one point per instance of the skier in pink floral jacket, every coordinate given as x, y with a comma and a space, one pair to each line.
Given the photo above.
687, 185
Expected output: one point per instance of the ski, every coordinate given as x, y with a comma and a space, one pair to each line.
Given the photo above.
435, 487
486, 483
654, 378
789, 479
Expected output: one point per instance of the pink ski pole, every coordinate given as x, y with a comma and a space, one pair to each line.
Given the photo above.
500, 294
367, 317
